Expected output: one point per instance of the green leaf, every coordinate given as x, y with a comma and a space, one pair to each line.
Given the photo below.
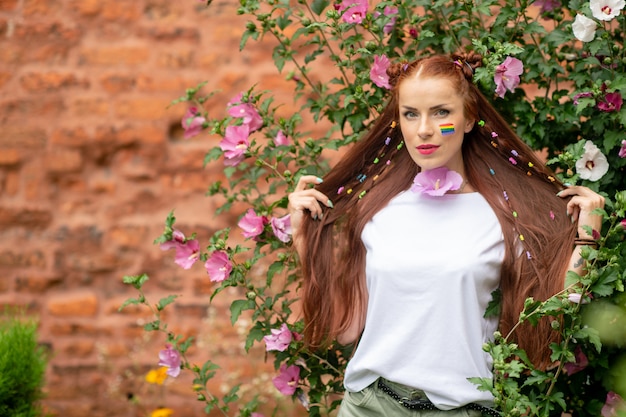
163, 302
318, 6
135, 280
238, 306
128, 302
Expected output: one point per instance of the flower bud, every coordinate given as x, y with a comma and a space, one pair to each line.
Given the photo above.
607, 61
251, 26
370, 46
555, 324
287, 174
250, 295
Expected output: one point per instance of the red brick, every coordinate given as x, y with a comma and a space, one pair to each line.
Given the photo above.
64, 328
63, 161
5, 76
127, 236
36, 284
115, 56
27, 217
148, 108
39, 7
70, 136
90, 107
175, 85
77, 304
170, 33
8, 5
45, 32
120, 11
163, 10
11, 184
51, 81
76, 348
115, 84
175, 59
10, 157
22, 137
24, 107
86, 8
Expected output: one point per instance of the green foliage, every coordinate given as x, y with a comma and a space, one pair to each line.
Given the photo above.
22, 367
563, 101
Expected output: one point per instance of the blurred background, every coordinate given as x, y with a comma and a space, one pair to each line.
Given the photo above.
92, 159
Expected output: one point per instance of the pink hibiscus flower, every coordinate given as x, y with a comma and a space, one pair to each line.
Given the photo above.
192, 122
611, 102
580, 363
218, 266
249, 114
187, 250
436, 182
507, 75
281, 139
390, 11
354, 11
612, 404
279, 339
378, 73
252, 224
170, 358
287, 380
547, 5
282, 228
622, 151
235, 144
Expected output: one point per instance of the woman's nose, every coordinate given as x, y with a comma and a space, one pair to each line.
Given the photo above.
425, 128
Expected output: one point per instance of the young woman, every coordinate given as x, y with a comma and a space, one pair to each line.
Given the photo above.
403, 243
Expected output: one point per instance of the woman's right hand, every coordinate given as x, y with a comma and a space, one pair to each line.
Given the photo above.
304, 198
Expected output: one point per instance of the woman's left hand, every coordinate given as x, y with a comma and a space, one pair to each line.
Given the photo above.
584, 201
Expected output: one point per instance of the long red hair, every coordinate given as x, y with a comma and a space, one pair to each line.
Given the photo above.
534, 264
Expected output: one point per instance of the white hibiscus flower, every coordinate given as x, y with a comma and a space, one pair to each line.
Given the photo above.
606, 9
593, 164
584, 28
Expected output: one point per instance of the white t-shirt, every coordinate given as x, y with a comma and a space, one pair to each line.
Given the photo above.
431, 265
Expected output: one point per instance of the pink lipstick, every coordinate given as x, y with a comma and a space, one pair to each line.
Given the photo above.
427, 149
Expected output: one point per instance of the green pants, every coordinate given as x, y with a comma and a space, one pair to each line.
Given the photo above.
372, 402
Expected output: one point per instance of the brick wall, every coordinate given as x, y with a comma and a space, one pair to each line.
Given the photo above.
91, 161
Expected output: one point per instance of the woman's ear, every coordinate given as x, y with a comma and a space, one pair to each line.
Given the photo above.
469, 125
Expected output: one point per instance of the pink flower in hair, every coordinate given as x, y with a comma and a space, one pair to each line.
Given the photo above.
235, 144
622, 151
378, 73
507, 75
354, 11
287, 380
436, 182
192, 122
252, 224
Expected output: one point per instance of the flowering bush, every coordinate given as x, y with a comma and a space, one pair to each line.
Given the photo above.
554, 70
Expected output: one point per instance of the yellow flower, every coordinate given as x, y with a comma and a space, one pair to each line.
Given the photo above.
162, 412
157, 376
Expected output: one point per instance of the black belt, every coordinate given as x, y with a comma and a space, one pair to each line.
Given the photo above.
425, 404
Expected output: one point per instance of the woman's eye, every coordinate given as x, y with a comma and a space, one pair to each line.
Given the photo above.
409, 115
442, 112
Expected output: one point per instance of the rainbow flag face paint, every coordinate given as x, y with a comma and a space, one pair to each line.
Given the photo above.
447, 129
